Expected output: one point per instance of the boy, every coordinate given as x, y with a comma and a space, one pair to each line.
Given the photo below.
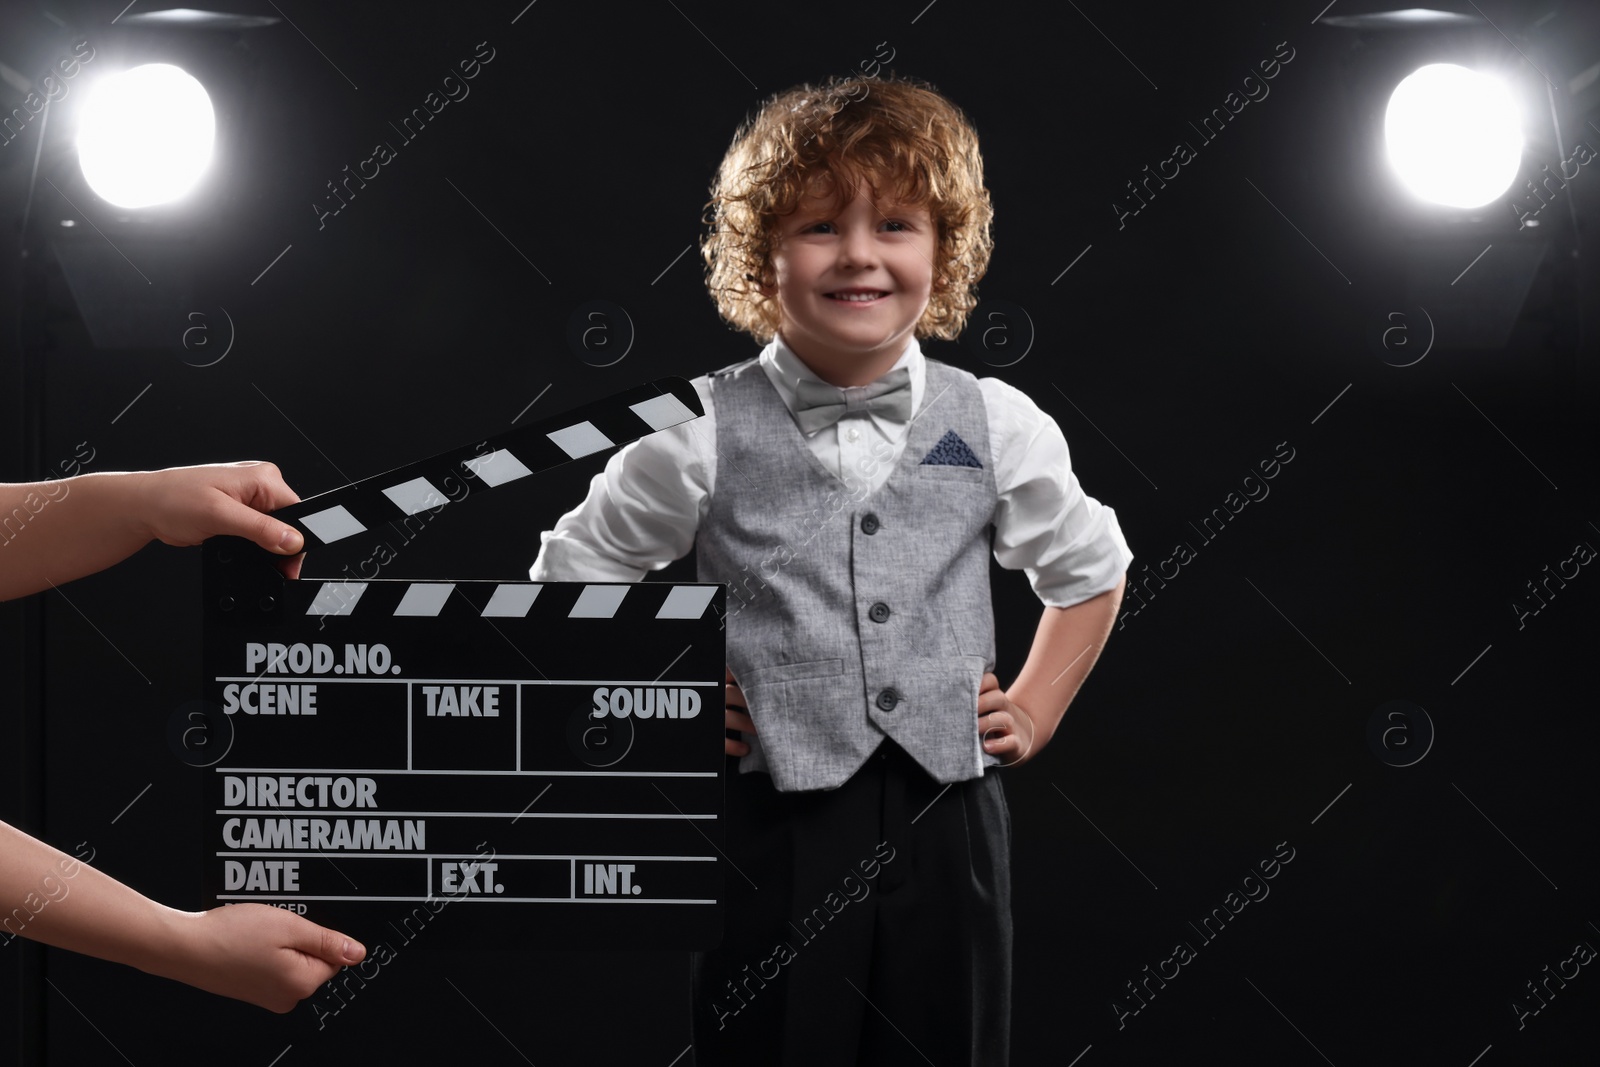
847, 488
59, 530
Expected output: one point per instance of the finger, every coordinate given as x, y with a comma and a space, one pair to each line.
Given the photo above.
734, 715
1001, 744
329, 945
993, 700
995, 722
269, 484
1011, 747
284, 539
310, 973
317, 973
1008, 734
989, 682
1018, 753
1012, 719
241, 520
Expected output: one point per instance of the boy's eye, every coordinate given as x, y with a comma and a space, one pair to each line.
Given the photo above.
897, 223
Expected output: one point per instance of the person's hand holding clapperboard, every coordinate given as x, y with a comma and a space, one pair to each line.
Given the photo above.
60, 530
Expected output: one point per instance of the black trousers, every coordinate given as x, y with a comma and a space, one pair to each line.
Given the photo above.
866, 924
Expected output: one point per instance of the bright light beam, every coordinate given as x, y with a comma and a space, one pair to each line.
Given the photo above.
1453, 137
146, 136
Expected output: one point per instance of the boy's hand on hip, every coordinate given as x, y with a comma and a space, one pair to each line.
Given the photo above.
1006, 729
737, 716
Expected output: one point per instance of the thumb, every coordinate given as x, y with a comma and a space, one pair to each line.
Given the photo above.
329, 945
271, 534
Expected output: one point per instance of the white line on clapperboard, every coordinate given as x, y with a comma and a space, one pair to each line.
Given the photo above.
475, 855
455, 681
299, 812
484, 899
520, 774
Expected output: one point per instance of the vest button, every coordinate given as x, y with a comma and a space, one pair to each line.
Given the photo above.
869, 523
888, 699
879, 612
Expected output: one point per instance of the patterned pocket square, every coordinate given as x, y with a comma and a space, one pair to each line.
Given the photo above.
951, 451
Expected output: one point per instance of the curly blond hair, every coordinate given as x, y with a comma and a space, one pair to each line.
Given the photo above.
898, 131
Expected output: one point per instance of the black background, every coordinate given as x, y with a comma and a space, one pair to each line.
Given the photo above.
1245, 306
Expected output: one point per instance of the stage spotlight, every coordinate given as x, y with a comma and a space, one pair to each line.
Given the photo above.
146, 135
1453, 136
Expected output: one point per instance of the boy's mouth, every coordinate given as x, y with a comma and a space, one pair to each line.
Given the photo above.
858, 296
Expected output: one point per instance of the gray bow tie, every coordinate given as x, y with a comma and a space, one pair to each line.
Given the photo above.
821, 405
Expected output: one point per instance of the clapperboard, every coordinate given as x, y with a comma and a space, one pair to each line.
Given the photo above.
509, 764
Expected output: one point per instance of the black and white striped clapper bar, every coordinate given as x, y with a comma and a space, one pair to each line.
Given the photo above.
467, 764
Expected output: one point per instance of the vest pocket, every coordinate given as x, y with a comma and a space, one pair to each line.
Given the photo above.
789, 672
810, 722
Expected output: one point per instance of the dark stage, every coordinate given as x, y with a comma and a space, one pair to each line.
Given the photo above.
1344, 432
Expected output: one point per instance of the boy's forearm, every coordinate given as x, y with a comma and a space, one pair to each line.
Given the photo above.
1065, 648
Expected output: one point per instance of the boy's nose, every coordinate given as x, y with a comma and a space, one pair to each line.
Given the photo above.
857, 249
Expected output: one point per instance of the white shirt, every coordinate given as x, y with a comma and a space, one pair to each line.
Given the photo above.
642, 512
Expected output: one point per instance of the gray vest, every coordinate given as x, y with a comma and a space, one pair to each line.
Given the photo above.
852, 617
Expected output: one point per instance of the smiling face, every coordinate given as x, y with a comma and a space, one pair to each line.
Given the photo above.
853, 283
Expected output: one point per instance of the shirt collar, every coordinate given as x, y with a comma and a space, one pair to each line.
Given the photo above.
784, 369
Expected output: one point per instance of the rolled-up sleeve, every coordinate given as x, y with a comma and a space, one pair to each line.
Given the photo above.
1067, 542
641, 512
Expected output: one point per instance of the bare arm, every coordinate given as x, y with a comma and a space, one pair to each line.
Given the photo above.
53, 532
1017, 723
262, 955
